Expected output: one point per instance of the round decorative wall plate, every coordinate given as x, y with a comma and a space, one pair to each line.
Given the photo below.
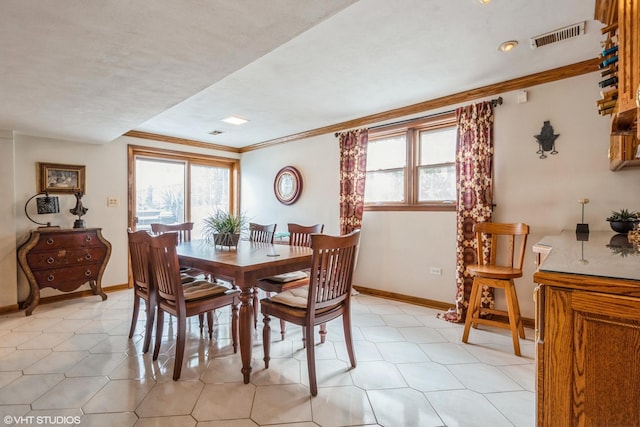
288, 185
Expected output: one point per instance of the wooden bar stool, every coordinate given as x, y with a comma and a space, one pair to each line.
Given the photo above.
497, 268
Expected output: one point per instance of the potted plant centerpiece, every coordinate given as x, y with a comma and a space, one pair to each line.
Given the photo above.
224, 228
623, 221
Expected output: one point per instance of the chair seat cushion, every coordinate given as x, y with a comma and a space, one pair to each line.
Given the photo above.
293, 297
202, 288
288, 277
185, 278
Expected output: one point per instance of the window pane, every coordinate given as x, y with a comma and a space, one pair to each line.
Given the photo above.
209, 191
438, 146
384, 186
159, 192
386, 153
437, 183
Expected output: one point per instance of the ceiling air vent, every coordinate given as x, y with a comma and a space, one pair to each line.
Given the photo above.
215, 132
558, 35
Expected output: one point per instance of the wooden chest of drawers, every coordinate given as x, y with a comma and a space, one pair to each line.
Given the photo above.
63, 259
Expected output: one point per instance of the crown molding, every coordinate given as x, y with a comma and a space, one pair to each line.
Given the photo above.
181, 141
547, 76
530, 80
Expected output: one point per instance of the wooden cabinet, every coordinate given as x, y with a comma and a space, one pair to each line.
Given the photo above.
63, 259
587, 332
588, 345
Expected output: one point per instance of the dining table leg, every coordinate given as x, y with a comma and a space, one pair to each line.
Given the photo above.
246, 330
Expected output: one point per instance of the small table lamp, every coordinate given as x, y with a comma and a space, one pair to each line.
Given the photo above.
582, 229
44, 205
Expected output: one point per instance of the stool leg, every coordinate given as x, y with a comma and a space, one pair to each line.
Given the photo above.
477, 305
513, 321
517, 304
471, 308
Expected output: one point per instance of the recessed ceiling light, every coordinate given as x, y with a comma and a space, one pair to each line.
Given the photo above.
507, 46
235, 120
483, 1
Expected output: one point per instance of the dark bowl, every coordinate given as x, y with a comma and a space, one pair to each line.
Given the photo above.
622, 227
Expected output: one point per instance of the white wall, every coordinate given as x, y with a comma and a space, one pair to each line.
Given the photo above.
318, 162
398, 248
106, 176
544, 192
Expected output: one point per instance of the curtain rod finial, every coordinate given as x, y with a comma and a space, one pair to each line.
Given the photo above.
496, 102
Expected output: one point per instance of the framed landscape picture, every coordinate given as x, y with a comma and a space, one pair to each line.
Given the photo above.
58, 178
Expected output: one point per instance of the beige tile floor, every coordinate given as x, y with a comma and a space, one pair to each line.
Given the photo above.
71, 363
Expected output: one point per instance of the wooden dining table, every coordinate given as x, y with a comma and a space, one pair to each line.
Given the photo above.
244, 265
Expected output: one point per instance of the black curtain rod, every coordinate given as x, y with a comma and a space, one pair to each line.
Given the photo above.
494, 103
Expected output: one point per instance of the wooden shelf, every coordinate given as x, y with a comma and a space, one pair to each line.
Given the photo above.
622, 20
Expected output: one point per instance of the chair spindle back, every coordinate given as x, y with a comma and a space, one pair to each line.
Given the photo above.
300, 235
139, 253
262, 233
332, 269
183, 230
490, 236
165, 268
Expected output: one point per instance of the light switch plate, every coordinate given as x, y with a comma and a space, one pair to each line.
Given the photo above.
113, 202
522, 97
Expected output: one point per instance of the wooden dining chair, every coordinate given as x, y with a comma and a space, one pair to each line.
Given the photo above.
262, 233
299, 235
142, 284
183, 231
327, 297
183, 301
500, 253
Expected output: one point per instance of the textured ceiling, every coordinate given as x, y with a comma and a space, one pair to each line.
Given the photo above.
90, 71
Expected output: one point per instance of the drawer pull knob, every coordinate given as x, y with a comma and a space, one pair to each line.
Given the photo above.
88, 256
87, 238
50, 260
49, 241
87, 273
50, 278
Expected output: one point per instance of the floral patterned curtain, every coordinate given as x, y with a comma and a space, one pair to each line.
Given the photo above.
474, 186
353, 171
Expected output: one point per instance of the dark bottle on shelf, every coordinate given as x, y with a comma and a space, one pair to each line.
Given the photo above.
608, 82
609, 61
609, 51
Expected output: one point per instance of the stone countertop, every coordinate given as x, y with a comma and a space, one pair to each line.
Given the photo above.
604, 254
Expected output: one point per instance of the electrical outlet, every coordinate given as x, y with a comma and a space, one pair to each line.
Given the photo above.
113, 202
437, 271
